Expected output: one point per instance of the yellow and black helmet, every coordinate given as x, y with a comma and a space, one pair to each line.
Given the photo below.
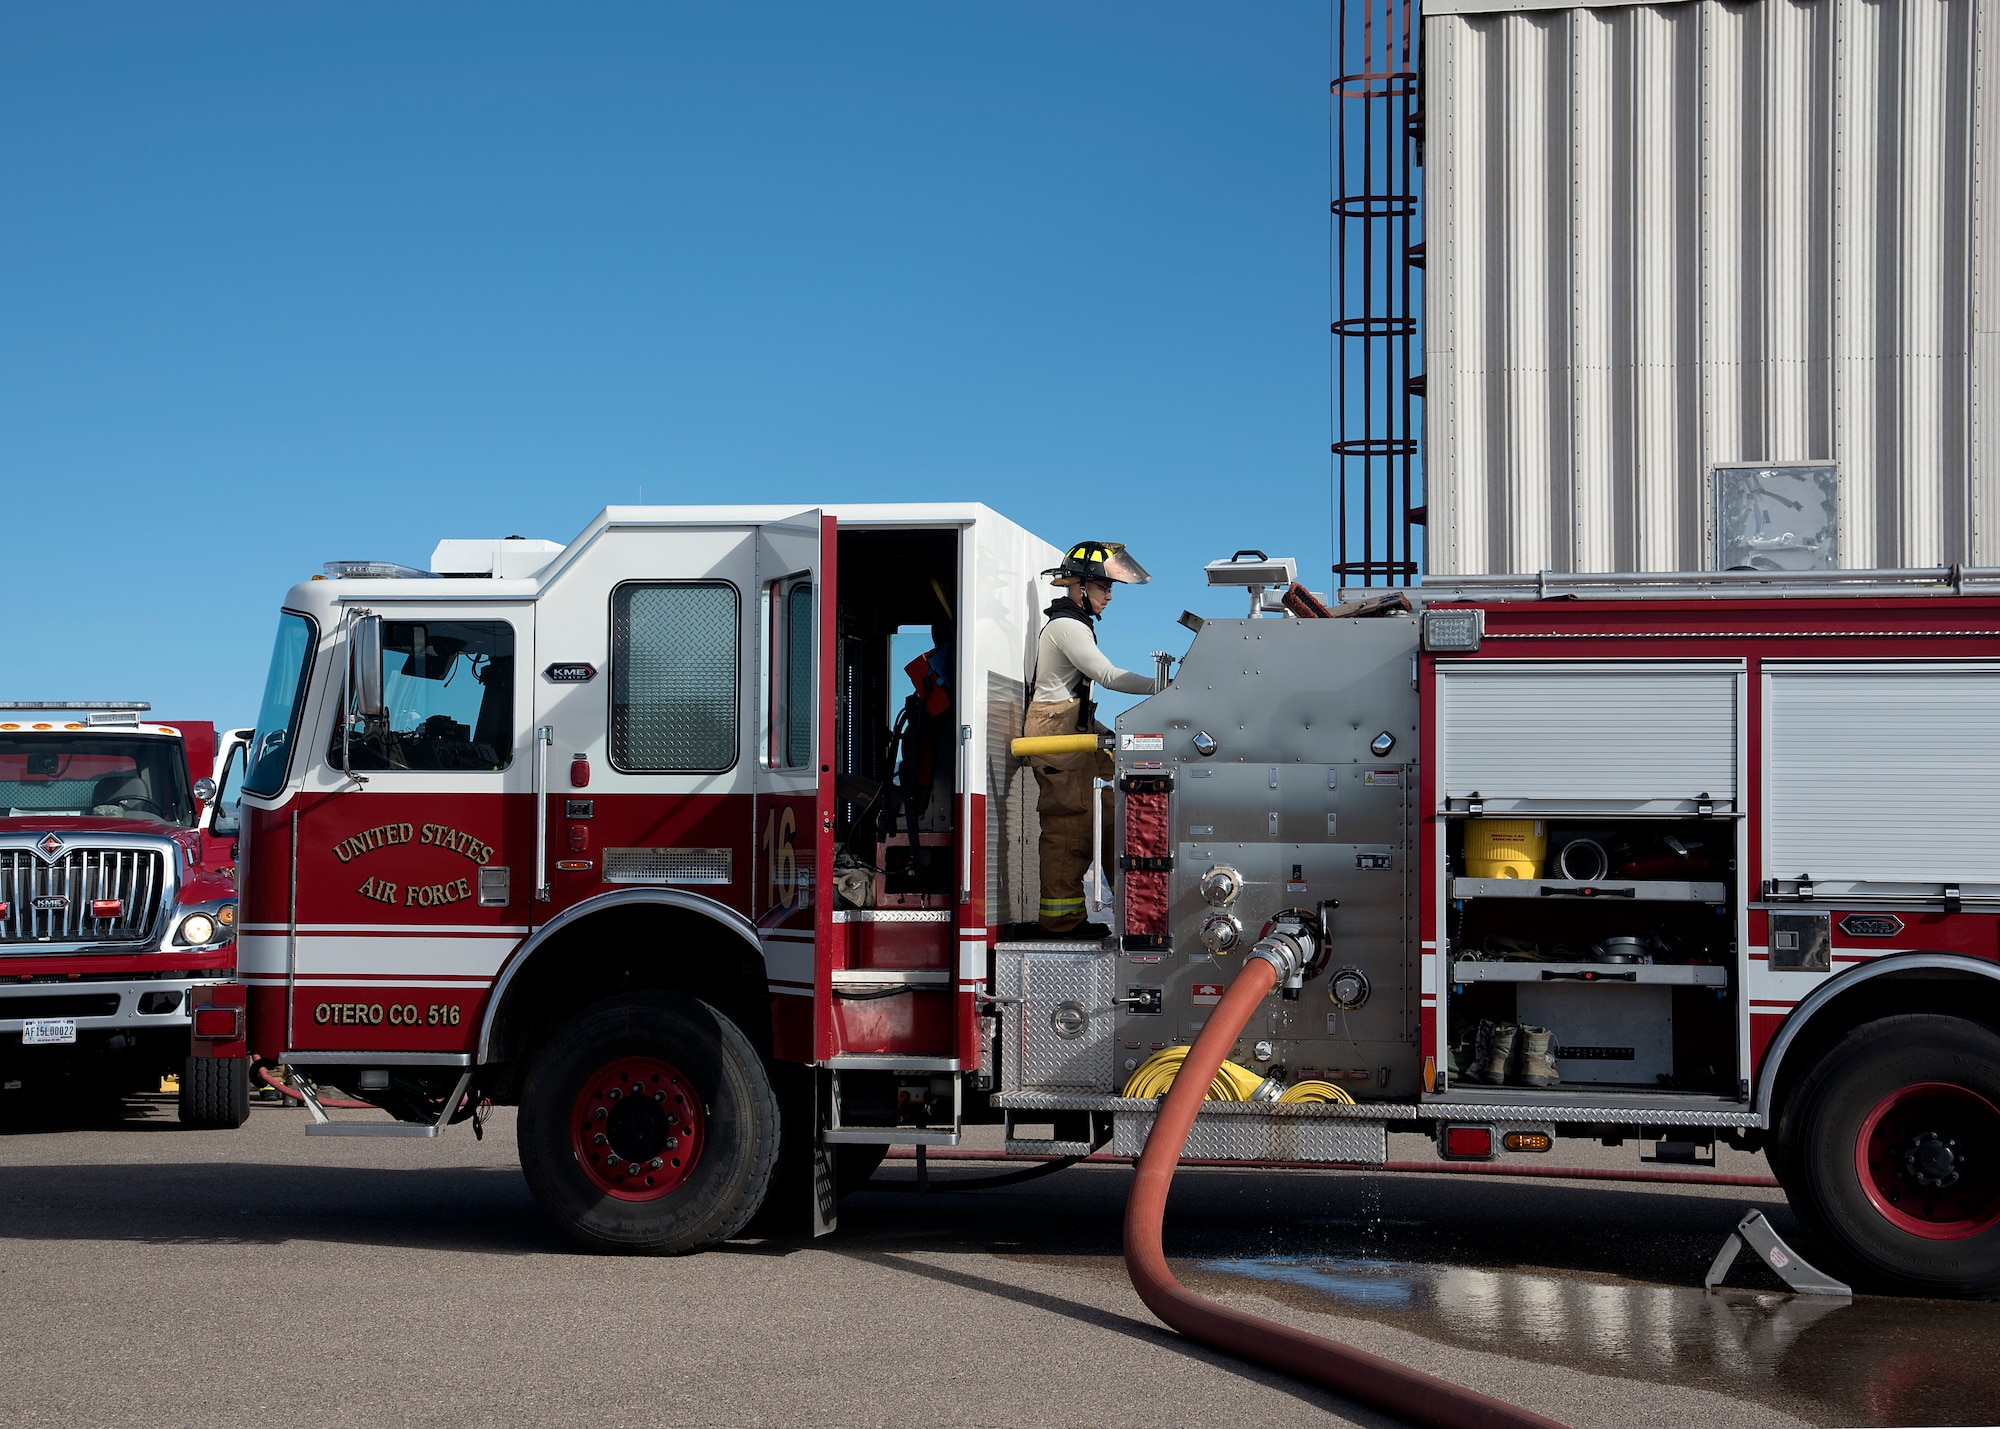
1099, 561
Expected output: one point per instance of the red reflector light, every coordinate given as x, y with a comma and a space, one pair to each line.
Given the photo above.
1468, 1143
579, 771
219, 1023
106, 907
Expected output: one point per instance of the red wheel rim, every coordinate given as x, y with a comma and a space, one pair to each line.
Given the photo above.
637, 1129
1929, 1160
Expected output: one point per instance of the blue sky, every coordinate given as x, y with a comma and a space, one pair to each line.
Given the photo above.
285, 284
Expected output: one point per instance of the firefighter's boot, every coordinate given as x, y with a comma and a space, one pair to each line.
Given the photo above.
1499, 1053
1534, 1065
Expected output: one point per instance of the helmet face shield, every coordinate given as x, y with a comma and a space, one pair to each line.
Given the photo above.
1119, 566
1099, 561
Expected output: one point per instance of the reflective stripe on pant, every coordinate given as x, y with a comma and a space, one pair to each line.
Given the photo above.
1063, 784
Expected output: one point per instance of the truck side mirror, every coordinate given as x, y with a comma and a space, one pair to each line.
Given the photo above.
365, 669
204, 789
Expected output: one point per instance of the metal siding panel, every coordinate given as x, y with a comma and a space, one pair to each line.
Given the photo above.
1983, 385
1853, 796
1598, 215
1445, 335
1554, 732
1533, 298
1855, 276
1923, 282
1725, 140
1795, 230
1666, 226
1684, 234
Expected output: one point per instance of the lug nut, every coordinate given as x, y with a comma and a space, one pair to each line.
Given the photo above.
638, 1090
672, 1142
598, 1140
659, 1096
657, 1163
597, 1115
613, 1094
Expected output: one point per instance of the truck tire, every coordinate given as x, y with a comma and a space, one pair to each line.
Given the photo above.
215, 1093
1897, 1159
648, 1124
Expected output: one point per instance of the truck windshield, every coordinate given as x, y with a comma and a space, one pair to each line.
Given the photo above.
106, 776
284, 696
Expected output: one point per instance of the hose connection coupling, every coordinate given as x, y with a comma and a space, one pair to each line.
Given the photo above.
1291, 945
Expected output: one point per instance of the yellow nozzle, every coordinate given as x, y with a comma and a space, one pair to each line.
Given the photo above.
1030, 745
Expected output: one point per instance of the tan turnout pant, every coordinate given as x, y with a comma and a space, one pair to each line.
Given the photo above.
1063, 784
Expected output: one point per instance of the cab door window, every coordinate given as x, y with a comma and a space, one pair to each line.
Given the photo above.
449, 689
791, 673
674, 701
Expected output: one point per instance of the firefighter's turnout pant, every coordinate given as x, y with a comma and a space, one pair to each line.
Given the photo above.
1063, 783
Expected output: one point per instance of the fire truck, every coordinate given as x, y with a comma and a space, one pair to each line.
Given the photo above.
700, 838
117, 902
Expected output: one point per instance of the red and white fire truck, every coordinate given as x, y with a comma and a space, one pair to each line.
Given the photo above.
698, 839
117, 901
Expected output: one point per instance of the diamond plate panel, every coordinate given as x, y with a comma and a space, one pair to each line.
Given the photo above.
1264, 1138
674, 689
666, 865
1508, 1114
1059, 1034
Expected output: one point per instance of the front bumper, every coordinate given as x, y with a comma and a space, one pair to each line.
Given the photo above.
107, 1006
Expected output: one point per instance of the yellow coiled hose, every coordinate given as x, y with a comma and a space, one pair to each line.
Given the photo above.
1316, 1091
1231, 1084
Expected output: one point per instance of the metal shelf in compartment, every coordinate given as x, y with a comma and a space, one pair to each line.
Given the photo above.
1609, 890
1625, 974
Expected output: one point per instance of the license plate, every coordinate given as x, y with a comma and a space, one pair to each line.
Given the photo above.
40, 1031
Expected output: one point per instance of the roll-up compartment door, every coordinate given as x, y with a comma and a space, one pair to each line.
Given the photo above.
1600, 735
1883, 773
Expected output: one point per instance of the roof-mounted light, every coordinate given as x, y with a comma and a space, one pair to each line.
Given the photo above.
374, 571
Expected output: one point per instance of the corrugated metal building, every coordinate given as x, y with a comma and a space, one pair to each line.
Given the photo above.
1663, 238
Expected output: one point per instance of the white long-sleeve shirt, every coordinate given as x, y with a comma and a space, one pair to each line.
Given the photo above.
1067, 648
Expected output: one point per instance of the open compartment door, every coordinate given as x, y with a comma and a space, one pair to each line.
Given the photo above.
792, 854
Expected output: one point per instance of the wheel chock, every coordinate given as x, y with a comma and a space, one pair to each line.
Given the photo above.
1791, 1267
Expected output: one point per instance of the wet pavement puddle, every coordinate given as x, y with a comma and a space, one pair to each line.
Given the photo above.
1829, 1361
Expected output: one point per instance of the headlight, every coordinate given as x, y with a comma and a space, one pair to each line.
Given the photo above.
197, 928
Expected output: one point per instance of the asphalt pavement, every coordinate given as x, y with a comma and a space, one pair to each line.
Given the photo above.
159, 1277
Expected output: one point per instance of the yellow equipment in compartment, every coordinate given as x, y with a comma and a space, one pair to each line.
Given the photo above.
1232, 1083
1505, 848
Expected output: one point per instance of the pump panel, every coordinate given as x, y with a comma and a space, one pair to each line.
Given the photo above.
1292, 810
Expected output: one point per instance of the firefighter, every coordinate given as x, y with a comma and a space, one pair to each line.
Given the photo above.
1067, 664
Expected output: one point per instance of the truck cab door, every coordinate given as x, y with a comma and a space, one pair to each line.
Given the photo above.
415, 830
791, 894
221, 816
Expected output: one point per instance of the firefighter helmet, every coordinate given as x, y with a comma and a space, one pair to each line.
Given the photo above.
1099, 561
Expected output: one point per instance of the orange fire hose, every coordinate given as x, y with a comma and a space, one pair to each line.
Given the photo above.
338, 1104
1422, 1398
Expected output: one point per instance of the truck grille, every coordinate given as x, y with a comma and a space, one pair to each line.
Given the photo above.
51, 902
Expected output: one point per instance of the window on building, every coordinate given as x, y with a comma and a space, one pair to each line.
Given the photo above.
1777, 518
449, 689
674, 692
